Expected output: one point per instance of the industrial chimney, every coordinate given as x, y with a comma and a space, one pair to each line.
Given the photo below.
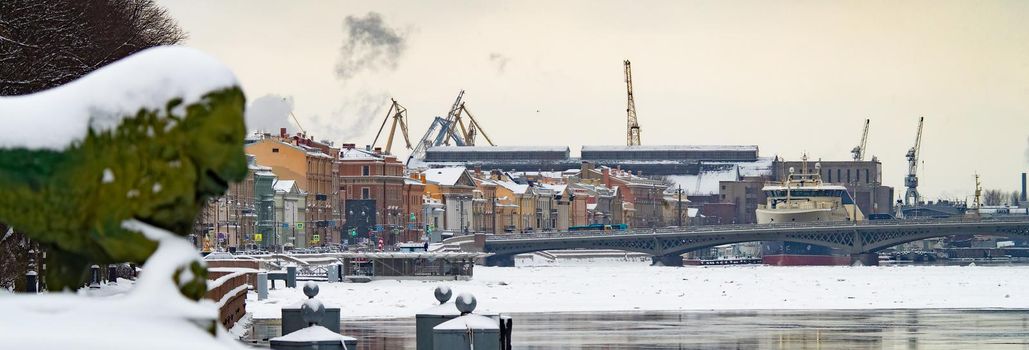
1023, 188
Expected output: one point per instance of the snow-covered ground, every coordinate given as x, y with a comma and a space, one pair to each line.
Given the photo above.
617, 286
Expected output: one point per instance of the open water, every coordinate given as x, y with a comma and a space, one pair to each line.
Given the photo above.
759, 329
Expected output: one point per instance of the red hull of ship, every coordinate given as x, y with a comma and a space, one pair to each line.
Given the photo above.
805, 260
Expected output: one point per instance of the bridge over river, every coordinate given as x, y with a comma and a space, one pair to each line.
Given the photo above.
860, 239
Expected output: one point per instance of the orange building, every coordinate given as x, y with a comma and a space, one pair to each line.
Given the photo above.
297, 158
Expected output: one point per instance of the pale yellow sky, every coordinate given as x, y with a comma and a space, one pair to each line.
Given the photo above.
789, 76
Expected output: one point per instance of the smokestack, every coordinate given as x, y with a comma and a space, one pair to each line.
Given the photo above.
282, 133
1023, 187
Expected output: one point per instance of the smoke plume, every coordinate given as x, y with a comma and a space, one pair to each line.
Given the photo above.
369, 46
499, 61
268, 113
1027, 151
355, 118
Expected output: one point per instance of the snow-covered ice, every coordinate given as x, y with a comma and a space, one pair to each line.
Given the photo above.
152, 310
626, 286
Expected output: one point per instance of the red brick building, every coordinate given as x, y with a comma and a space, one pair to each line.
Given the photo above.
379, 200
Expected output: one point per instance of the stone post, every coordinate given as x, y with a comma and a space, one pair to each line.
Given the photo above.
469, 331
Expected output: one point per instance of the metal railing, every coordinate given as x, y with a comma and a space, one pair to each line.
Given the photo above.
757, 227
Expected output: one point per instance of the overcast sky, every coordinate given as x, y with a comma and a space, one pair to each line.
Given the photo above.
788, 76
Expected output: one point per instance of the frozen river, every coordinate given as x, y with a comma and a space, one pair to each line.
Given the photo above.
604, 286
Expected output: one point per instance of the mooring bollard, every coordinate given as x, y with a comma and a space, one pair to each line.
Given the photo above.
31, 282
506, 323
291, 276
313, 335
112, 274
262, 285
469, 331
434, 316
94, 276
331, 275
292, 316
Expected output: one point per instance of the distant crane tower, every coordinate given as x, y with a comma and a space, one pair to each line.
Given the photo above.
632, 132
911, 196
399, 115
859, 150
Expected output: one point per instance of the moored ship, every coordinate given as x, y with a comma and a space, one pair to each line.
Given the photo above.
802, 197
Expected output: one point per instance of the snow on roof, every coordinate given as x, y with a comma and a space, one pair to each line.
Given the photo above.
706, 182
672, 148
556, 188
313, 334
761, 167
55, 118
283, 185
512, 186
357, 154
445, 176
498, 149
466, 322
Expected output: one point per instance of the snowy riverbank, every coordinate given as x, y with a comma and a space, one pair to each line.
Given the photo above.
615, 286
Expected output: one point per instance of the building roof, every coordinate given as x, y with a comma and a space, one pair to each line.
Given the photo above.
358, 154
671, 148
706, 182
498, 149
286, 186
445, 176
513, 186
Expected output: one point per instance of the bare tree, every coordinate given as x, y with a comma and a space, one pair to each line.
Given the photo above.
994, 197
46, 43
1014, 198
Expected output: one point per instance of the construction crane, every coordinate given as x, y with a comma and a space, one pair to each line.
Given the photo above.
632, 132
440, 132
911, 196
449, 132
473, 127
399, 115
859, 150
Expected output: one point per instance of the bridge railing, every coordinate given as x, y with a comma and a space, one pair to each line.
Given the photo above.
744, 227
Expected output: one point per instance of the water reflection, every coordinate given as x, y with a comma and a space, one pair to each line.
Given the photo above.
763, 329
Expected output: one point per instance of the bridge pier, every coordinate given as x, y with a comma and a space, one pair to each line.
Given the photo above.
500, 260
666, 260
866, 259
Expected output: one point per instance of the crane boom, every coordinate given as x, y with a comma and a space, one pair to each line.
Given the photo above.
859, 150
473, 128
911, 196
399, 115
632, 132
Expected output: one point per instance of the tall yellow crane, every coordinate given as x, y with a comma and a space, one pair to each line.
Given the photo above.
399, 115
859, 150
632, 132
911, 196
473, 127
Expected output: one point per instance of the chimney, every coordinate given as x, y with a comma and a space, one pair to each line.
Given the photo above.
606, 173
1023, 187
378, 150
282, 132
478, 171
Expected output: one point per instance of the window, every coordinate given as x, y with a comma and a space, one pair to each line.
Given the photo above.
867, 180
829, 172
275, 150
839, 177
365, 193
364, 170
848, 175
858, 174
